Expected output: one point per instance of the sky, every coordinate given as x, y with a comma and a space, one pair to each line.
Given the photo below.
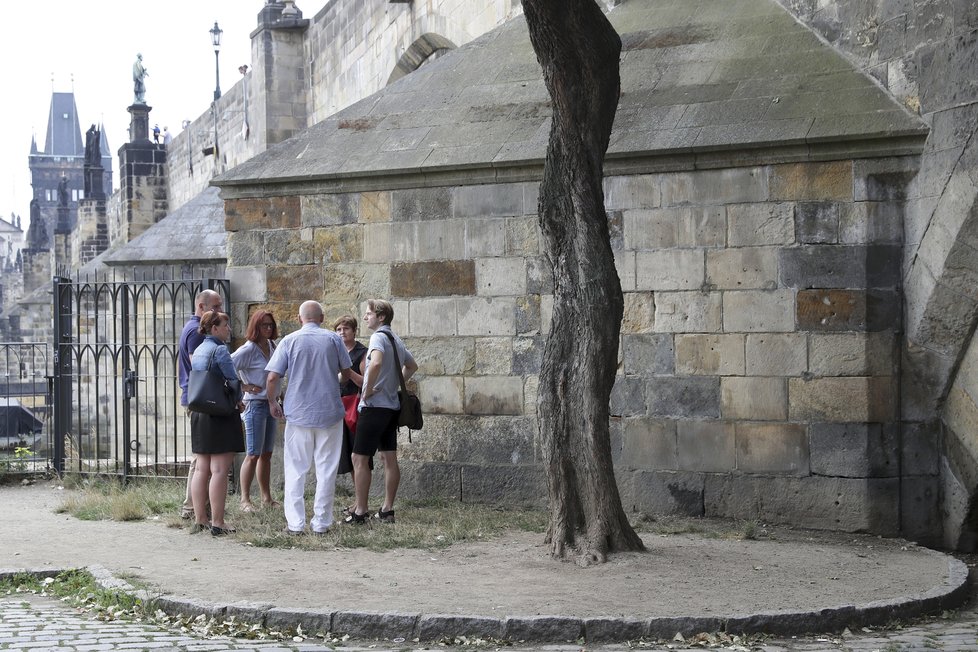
89, 47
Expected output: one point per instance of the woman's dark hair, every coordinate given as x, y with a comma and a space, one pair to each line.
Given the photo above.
210, 319
346, 320
254, 326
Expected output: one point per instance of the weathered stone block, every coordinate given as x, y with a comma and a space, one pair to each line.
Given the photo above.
663, 492
837, 310
850, 505
853, 354
683, 397
883, 186
841, 266
726, 186
485, 237
437, 279
639, 315
493, 316
647, 355
450, 356
522, 236
338, 244
871, 223
688, 312
421, 480
377, 243
777, 354
648, 444
493, 395
433, 317
842, 399
441, 394
614, 629
364, 624
812, 181
921, 510
294, 282
676, 269
755, 311
921, 448
706, 355
633, 191
743, 268
265, 213
772, 448
420, 204
247, 248
528, 314
330, 210
500, 276
628, 397
527, 355
753, 398
543, 628
375, 206
817, 222
760, 224
354, 280
440, 626
625, 266
509, 484
493, 355
439, 240
706, 446
313, 622
854, 450
684, 226
291, 247
248, 283
491, 200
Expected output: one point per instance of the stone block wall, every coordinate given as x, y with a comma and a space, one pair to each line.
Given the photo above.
90, 237
759, 352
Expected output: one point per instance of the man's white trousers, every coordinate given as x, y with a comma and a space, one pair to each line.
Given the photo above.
303, 448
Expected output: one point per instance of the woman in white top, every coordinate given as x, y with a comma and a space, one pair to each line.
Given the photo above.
260, 426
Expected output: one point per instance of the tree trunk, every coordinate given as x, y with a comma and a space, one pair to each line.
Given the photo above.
579, 50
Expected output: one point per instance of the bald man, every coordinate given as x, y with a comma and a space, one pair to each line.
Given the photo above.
312, 357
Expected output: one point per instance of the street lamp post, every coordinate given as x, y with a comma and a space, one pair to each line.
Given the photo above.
216, 33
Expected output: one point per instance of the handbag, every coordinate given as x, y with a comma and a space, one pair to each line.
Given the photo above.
211, 393
410, 415
350, 413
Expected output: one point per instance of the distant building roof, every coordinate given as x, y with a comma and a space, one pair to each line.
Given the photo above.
63, 136
697, 77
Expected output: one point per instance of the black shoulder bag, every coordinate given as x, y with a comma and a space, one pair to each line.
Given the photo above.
211, 393
410, 415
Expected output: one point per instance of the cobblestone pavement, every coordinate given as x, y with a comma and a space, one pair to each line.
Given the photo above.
35, 623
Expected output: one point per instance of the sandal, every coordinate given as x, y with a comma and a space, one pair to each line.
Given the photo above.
346, 511
384, 517
353, 517
222, 531
199, 527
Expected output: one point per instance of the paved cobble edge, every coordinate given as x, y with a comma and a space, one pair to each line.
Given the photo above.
952, 593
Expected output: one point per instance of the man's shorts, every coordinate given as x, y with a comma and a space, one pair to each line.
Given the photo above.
376, 430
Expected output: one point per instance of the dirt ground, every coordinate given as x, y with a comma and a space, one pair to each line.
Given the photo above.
680, 575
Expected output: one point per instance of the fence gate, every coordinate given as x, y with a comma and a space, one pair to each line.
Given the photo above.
116, 392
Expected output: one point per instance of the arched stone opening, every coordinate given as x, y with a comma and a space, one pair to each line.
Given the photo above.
425, 48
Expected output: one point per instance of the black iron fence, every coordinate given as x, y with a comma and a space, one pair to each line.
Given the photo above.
115, 390
26, 401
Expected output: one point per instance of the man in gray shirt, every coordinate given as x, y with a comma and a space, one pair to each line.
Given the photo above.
313, 357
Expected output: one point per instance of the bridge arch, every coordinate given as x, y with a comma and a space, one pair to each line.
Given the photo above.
425, 48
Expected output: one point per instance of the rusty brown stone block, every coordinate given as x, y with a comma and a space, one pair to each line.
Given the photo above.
831, 310
812, 181
264, 213
375, 206
433, 279
339, 244
294, 283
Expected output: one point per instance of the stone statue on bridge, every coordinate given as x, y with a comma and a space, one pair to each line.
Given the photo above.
139, 73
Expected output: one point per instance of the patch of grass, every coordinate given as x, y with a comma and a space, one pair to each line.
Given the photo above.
75, 587
102, 499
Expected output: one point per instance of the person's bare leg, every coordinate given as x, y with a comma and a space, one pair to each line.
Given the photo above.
392, 478
361, 481
218, 486
198, 488
247, 475
265, 478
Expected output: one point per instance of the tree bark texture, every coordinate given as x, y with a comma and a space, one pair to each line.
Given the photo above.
579, 50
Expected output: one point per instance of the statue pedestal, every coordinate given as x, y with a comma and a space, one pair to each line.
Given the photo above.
139, 123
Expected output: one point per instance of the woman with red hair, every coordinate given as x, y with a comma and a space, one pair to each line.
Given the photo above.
260, 427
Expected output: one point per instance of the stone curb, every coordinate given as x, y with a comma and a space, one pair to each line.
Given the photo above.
952, 593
